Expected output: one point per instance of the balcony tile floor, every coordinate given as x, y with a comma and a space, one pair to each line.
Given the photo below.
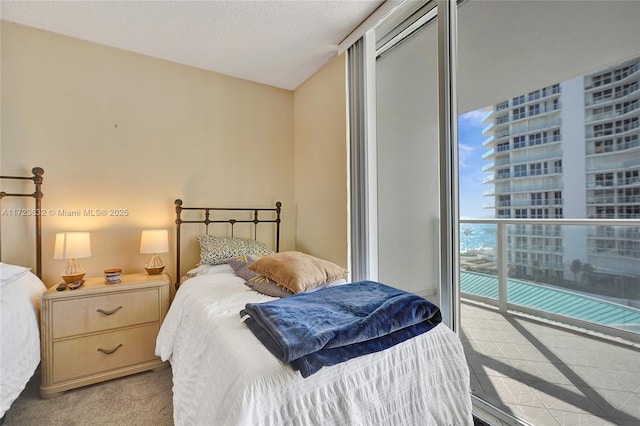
550, 375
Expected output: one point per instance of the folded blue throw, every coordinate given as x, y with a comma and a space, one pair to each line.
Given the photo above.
335, 324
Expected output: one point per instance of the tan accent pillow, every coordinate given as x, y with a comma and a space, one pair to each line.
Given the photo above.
297, 271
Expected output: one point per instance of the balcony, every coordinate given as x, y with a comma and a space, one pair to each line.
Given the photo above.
525, 187
621, 77
550, 347
593, 118
617, 131
609, 147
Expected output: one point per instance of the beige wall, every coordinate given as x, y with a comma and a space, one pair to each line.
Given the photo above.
117, 130
321, 164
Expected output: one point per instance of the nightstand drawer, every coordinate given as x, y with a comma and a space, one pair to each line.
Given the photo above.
103, 312
74, 358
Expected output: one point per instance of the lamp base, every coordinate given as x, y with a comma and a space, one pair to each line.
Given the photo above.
154, 271
71, 278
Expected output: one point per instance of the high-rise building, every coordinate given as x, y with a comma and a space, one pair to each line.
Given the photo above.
570, 150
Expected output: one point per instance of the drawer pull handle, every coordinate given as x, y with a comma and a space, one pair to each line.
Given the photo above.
109, 352
111, 312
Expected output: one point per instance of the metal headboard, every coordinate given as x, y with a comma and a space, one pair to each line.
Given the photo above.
37, 195
208, 219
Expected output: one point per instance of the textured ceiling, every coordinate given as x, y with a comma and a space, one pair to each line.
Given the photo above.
279, 43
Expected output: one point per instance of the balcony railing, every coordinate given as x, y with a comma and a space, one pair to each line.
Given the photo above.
525, 187
611, 183
619, 77
542, 256
618, 130
611, 114
611, 147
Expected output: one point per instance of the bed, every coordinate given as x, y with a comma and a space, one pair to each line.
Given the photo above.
223, 375
20, 292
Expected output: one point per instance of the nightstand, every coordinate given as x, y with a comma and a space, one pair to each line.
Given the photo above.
101, 331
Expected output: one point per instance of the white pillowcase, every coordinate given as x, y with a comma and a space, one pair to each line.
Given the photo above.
209, 269
10, 273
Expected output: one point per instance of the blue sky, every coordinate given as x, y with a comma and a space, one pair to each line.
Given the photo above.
470, 164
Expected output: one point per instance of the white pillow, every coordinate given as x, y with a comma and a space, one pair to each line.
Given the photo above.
209, 269
11, 273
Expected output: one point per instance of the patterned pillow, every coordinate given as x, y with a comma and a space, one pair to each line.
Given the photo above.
264, 285
218, 250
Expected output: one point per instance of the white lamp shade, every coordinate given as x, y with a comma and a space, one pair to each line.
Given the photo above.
154, 241
72, 245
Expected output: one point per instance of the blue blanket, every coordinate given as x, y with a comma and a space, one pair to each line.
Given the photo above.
335, 324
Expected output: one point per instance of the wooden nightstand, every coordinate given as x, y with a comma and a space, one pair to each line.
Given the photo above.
101, 331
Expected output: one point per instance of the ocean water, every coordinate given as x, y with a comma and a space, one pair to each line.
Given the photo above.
475, 236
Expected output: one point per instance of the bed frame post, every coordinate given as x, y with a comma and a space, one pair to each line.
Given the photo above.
178, 204
278, 209
38, 179
37, 195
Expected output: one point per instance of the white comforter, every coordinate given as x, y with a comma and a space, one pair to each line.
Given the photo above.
222, 375
19, 334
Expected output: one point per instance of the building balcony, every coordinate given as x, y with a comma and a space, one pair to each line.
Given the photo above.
546, 342
606, 116
614, 252
550, 153
625, 77
611, 164
611, 198
494, 139
620, 95
534, 203
498, 176
614, 233
538, 248
491, 165
525, 187
527, 127
537, 173
611, 184
601, 200
495, 151
542, 372
613, 145
614, 132
535, 263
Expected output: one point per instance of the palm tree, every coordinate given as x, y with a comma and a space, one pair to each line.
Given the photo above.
536, 269
576, 268
466, 233
587, 271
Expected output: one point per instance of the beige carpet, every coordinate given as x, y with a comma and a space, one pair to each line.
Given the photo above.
140, 399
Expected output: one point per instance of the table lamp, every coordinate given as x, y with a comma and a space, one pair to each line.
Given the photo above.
72, 246
154, 241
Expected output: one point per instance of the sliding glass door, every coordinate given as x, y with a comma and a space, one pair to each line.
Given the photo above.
550, 248
549, 180
408, 188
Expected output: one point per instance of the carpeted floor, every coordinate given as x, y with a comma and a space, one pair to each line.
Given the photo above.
141, 399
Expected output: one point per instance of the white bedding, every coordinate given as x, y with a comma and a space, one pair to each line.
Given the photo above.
222, 375
19, 333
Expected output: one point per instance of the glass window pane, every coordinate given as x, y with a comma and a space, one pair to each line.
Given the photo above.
544, 301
